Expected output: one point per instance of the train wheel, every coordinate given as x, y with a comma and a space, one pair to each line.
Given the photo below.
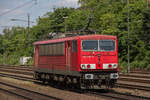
35, 76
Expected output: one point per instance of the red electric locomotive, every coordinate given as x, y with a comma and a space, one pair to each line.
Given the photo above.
86, 60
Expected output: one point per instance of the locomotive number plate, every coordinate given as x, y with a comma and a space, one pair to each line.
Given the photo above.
89, 76
114, 76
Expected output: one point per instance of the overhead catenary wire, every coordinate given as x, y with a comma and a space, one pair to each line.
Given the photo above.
18, 7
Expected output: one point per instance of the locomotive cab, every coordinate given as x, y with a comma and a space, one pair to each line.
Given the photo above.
99, 61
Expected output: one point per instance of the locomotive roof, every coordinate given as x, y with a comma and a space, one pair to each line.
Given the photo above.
74, 38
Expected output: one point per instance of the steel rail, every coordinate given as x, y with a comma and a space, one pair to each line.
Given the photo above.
16, 71
47, 97
120, 96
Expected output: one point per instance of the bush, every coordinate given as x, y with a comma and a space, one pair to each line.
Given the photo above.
30, 61
135, 64
123, 66
139, 64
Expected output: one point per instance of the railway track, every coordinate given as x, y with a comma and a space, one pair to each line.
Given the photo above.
17, 68
136, 75
118, 95
111, 94
25, 93
130, 86
135, 79
122, 85
21, 66
141, 71
140, 78
18, 77
123, 77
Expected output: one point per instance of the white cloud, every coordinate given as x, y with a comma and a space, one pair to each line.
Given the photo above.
66, 3
73, 3
40, 9
5, 10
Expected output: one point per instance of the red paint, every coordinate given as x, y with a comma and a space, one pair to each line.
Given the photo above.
88, 66
72, 60
109, 65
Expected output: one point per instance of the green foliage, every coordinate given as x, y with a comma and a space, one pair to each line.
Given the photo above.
76, 21
30, 61
102, 16
110, 17
51, 23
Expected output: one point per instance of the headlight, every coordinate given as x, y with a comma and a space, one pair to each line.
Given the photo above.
110, 66
88, 66
83, 66
114, 65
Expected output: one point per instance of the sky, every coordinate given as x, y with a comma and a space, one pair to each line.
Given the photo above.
18, 9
